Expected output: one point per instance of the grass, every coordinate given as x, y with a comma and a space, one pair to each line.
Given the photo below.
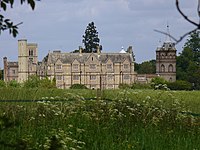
124, 119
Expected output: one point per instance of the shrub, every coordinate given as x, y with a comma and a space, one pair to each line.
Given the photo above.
180, 85
32, 82
36, 82
159, 83
2, 83
47, 83
124, 86
140, 86
78, 86
13, 83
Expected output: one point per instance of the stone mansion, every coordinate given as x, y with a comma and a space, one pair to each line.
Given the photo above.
95, 70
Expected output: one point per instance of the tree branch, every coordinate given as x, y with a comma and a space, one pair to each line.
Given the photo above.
185, 17
176, 40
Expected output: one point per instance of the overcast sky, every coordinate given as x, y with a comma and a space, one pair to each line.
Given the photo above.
60, 24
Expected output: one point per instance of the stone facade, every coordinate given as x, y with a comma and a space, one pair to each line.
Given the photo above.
10, 70
95, 70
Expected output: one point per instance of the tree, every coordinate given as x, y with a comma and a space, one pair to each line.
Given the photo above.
91, 39
188, 63
147, 67
7, 24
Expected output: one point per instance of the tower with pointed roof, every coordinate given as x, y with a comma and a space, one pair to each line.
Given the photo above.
166, 59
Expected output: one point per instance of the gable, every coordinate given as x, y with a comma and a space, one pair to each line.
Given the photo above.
92, 59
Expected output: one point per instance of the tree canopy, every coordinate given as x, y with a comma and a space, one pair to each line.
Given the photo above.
91, 39
147, 67
188, 63
7, 24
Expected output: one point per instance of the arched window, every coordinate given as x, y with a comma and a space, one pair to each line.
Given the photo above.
170, 68
162, 68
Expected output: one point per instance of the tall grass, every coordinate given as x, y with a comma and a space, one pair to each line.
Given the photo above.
124, 119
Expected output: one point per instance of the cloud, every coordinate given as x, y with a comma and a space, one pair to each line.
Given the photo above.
60, 24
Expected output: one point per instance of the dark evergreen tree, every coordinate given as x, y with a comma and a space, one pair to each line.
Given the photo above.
91, 39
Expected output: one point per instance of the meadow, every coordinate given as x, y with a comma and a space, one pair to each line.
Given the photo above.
106, 120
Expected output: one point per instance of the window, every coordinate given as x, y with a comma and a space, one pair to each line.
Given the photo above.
92, 77
92, 66
30, 60
75, 77
110, 86
30, 52
170, 68
126, 66
162, 68
58, 77
75, 66
49, 68
109, 66
13, 71
58, 66
110, 77
126, 77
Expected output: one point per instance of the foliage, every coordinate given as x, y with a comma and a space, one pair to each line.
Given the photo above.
159, 83
130, 120
179, 85
141, 86
35, 82
2, 83
32, 82
91, 39
78, 86
134, 86
13, 83
1, 74
7, 24
188, 63
124, 86
147, 67
46, 83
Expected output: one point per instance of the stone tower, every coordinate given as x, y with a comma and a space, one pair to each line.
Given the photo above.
166, 60
27, 59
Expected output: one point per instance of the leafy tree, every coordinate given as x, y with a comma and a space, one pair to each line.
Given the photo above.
7, 24
147, 67
91, 39
188, 63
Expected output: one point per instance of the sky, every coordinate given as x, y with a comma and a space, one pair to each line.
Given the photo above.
60, 25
